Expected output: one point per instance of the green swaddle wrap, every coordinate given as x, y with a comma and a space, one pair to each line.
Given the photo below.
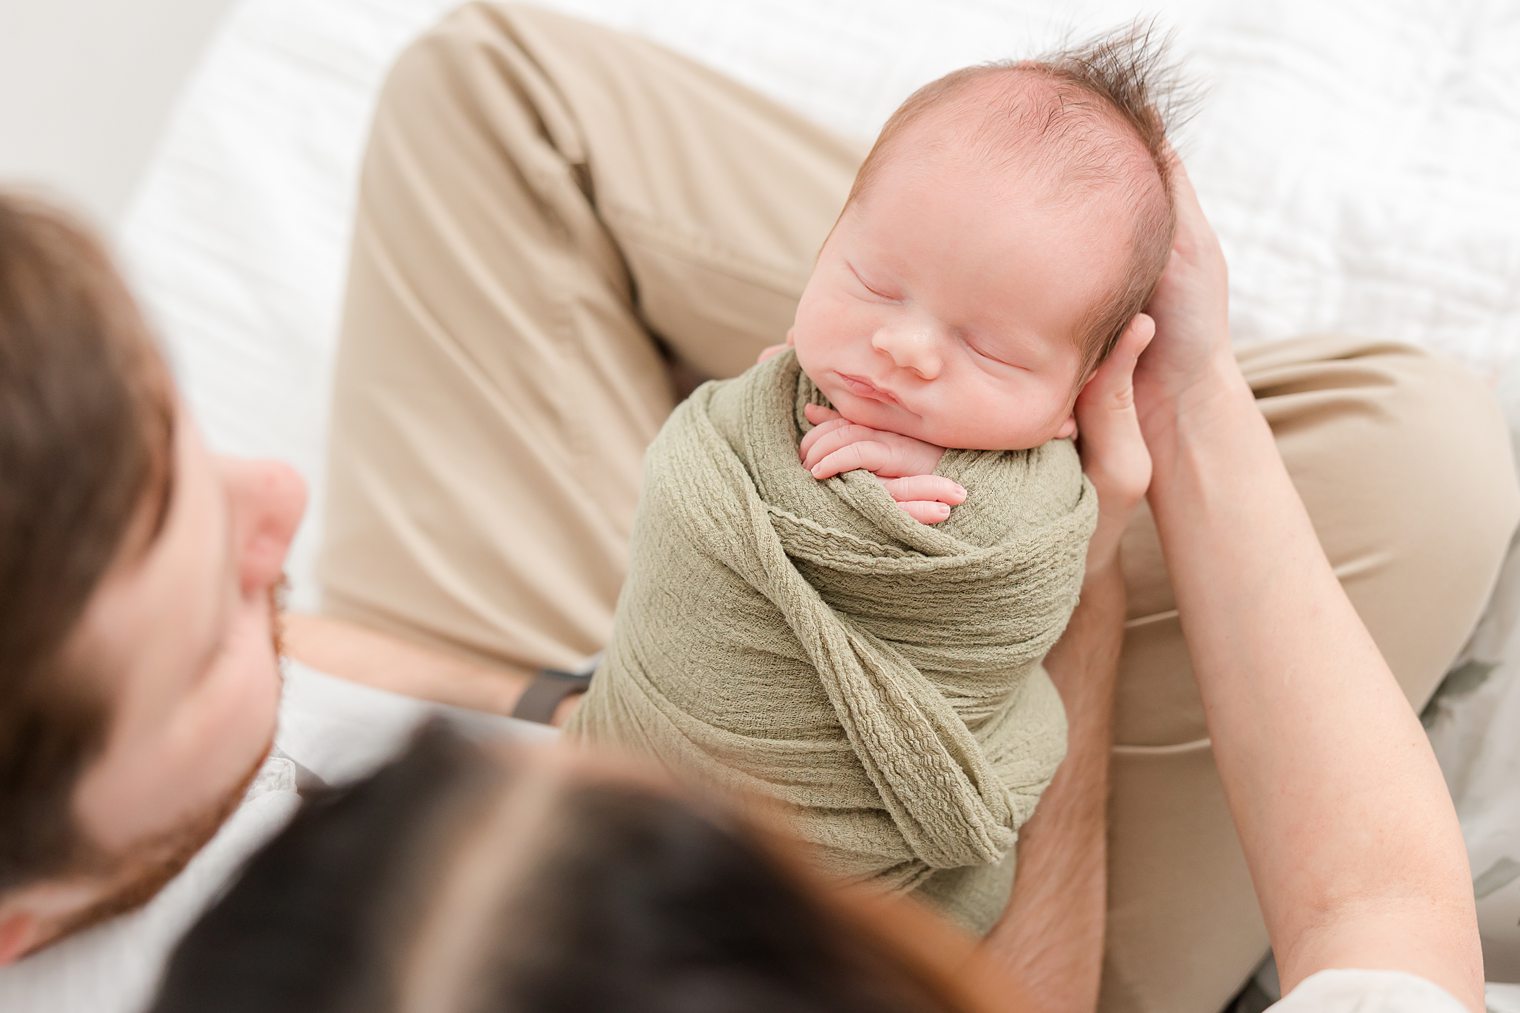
810, 642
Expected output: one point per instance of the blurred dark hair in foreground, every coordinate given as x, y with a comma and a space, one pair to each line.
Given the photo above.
463, 877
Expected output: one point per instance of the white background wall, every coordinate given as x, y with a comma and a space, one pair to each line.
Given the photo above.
85, 87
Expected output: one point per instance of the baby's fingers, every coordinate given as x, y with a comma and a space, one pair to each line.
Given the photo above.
866, 455
925, 511
818, 432
817, 414
925, 498
927, 488
837, 435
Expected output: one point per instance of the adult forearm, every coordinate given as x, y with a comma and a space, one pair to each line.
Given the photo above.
1051, 935
1342, 812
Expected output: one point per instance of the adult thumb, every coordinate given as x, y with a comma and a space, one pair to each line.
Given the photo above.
1112, 388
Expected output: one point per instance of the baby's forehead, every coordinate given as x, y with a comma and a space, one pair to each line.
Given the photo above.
1027, 126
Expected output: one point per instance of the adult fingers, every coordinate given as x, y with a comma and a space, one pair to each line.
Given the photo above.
1114, 454
1191, 308
1184, 196
1110, 430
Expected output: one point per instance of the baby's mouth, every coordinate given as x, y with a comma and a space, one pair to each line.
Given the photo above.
862, 387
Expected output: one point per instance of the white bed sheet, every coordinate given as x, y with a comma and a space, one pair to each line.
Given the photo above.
1358, 158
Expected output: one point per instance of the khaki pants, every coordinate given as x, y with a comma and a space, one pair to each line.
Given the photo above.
551, 213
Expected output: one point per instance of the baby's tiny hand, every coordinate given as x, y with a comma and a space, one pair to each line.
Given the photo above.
903, 465
925, 498
836, 445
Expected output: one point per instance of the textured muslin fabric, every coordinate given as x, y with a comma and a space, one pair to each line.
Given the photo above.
810, 642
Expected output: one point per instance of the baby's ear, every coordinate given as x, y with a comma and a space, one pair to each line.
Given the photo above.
790, 335
1068, 428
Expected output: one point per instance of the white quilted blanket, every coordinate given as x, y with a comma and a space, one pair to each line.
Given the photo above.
1358, 158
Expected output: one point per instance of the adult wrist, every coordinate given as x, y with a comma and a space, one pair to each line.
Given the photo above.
1215, 394
1084, 665
1103, 576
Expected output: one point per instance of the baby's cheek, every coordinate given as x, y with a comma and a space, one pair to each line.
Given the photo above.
815, 343
805, 358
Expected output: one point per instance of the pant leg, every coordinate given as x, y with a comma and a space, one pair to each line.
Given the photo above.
1403, 462
547, 208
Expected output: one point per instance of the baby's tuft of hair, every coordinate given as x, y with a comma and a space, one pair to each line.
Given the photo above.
1090, 120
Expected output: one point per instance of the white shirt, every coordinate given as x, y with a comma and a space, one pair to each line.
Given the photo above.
332, 730
1346, 991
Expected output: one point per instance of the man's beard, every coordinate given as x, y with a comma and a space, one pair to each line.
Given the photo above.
140, 873
149, 867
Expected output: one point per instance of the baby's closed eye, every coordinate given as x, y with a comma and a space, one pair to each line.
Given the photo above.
988, 350
877, 288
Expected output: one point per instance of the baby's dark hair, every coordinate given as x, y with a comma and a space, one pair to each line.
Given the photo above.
1089, 118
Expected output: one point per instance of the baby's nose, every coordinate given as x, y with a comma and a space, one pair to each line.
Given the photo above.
914, 348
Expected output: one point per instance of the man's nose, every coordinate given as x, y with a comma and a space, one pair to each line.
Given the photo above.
912, 346
268, 499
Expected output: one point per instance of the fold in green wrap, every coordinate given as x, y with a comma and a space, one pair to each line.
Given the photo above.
810, 642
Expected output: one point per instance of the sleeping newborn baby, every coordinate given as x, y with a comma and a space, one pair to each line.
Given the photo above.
860, 638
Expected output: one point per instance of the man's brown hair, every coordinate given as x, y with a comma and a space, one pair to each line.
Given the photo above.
86, 426
1089, 117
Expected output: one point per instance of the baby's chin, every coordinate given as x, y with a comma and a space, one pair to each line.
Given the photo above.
865, 411
887, 418
893, 419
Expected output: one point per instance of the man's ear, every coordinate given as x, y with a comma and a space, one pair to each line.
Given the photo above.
18, 934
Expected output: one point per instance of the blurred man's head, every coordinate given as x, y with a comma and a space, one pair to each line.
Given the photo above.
138, 664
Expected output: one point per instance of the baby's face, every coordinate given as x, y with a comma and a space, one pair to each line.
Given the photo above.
947, 304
